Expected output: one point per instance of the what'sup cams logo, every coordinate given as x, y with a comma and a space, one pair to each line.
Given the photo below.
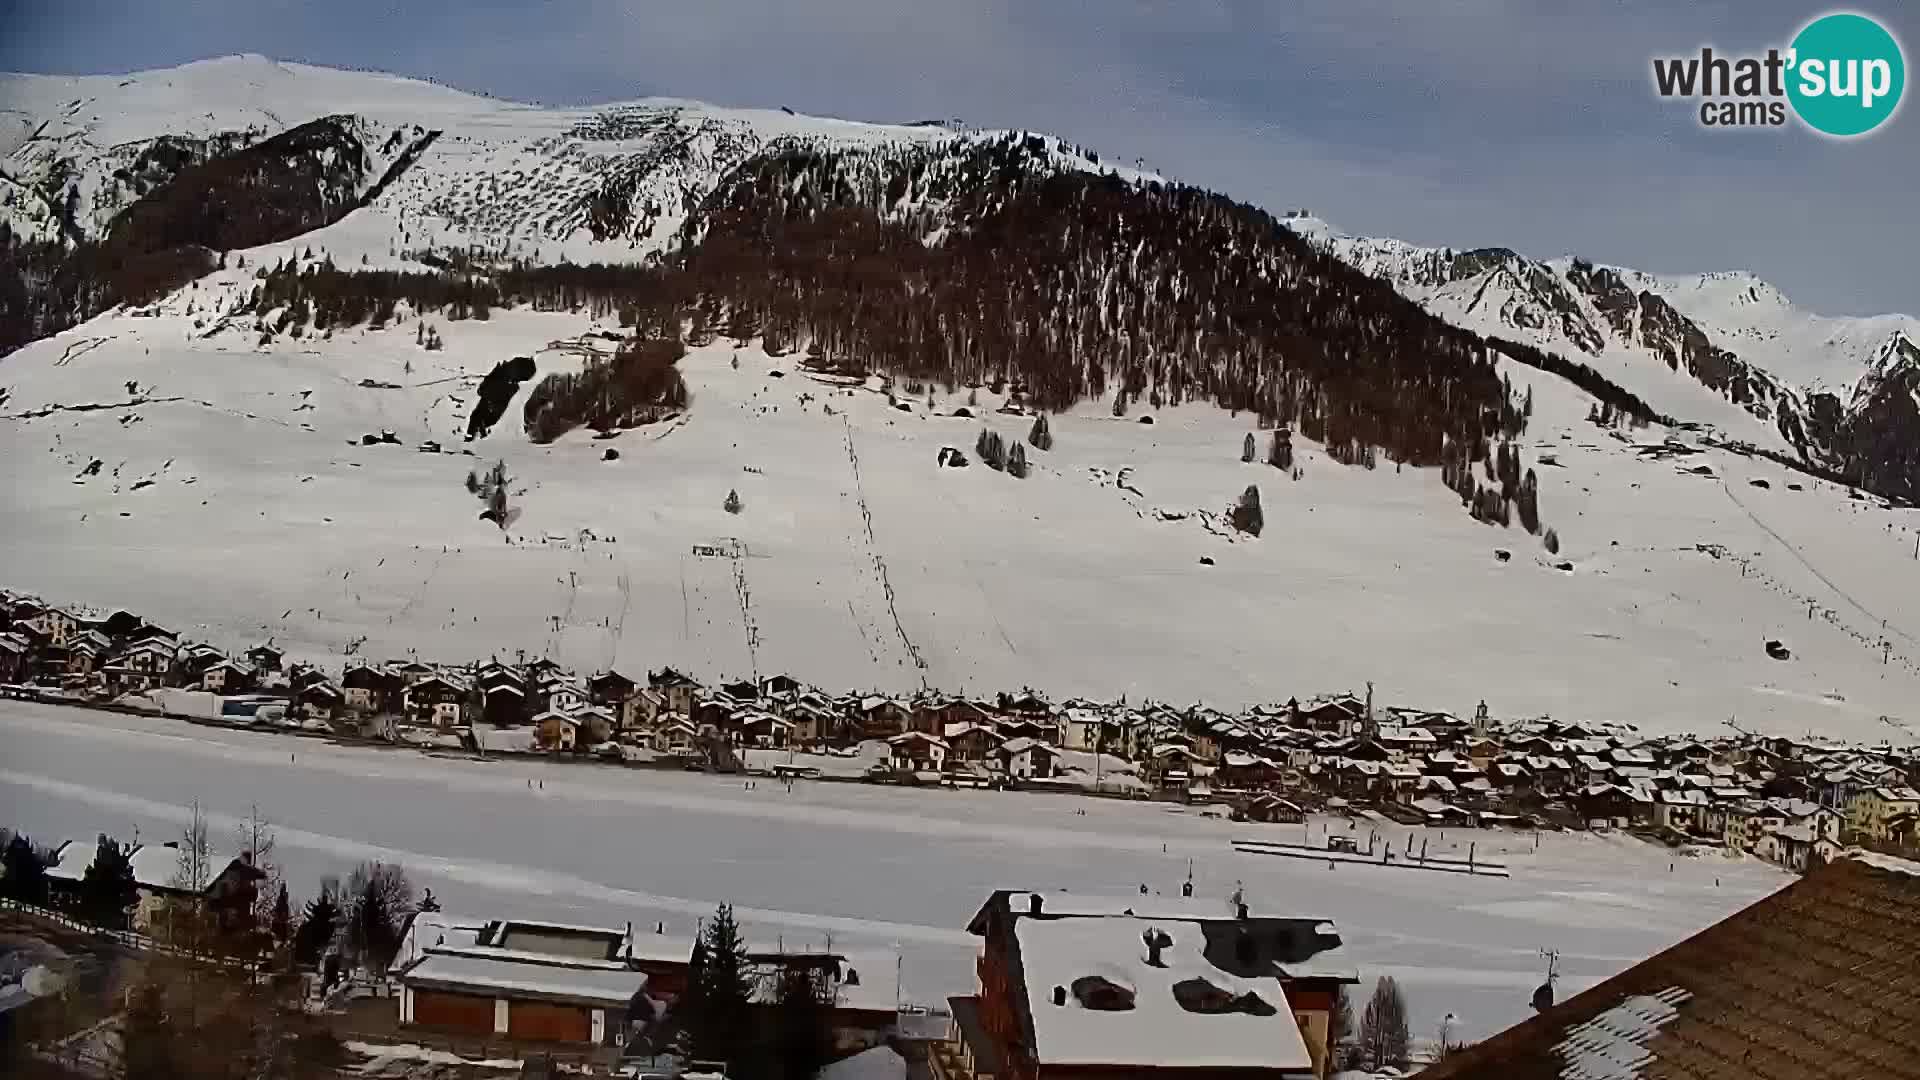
1842, 76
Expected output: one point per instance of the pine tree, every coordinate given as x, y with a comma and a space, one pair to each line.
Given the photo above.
280, 925
992, 449
1552, 542
318, 926
1041, 437
1017, 461
725, 992
1384, 1036
1280, 451
733, 505
25, 879
1527, 501
1248, 449
1247, 516
108, 891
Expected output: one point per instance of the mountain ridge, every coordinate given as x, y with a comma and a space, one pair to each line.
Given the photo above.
625, 182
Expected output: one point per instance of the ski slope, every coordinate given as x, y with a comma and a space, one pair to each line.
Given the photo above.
854, 866
234, 502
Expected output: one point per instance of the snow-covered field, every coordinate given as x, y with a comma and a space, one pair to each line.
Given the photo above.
233, 502
870, 867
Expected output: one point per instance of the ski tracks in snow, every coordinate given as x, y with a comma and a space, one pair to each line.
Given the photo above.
879, 564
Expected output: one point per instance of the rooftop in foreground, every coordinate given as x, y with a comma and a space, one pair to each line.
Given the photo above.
1815, 982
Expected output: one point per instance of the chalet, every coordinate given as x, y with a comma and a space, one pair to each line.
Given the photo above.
1735, 999
85, 651
437, 700
813, 723
610, 689
1680, 810
1244, 770
1400, 780
758, 727
883, 717
1509, 775
54, 624
1027, 706
226, 677
556, 731
411, 671
677, 688
372, 689
503, 702
525, 981
1341, 715
1272, 809
144, 665
933, 715
164, 883
862, 989
1870, 809
14, 654
320, 700
1082, 729
914, 751
742, 690
780, 684
1026, 758
1074, 986
675, 737
597, 724
559, 691
643, 708
970, 741
265, 657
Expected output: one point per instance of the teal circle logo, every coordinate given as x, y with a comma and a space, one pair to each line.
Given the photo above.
1846, 74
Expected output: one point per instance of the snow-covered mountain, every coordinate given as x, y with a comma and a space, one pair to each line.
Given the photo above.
1835, 391
602, 183
191, 440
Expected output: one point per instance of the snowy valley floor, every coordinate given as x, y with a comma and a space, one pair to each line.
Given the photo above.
867, 867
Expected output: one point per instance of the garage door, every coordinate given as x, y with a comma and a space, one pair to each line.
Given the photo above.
540, 1021
464, 1013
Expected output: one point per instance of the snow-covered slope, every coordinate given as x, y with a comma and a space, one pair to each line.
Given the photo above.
1722, 349
233, 497
234, 500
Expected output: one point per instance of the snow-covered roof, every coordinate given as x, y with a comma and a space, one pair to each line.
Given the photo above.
1157, 1031
879, 1063
591, 985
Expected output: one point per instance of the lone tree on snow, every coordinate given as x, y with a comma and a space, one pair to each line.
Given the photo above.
1280, 451
1041, 436
1246, 514
1552, 542
1248, 449
491, 489
733, 504
1017, 461
1384, 1037
991, 448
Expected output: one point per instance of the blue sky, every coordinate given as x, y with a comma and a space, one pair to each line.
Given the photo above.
1462, 122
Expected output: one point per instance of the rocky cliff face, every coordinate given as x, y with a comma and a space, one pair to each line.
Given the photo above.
1832, 391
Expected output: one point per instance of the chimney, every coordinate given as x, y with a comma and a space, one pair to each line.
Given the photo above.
1059, 995
1034, 902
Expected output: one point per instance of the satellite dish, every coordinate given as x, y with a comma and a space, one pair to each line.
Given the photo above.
1543, 997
